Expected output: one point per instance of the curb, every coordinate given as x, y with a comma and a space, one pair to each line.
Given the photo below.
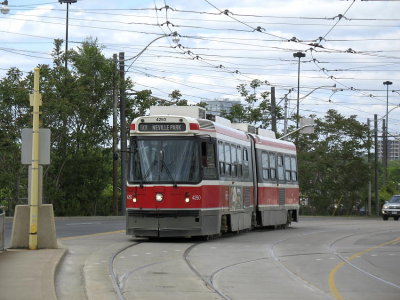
54, 270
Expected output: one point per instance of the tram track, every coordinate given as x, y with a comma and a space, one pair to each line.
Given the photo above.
292, 273
115, 281
208, 281
212, 277
348, 261
336, 253
119, 280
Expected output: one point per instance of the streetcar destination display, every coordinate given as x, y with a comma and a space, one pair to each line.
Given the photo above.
157, 127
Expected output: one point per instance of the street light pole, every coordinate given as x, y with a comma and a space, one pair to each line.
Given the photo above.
123, 129
299, 55
385, 155
68, 2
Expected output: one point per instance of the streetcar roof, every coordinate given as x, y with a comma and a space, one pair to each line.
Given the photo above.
194, 126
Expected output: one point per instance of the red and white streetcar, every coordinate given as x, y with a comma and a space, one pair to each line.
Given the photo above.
189, 176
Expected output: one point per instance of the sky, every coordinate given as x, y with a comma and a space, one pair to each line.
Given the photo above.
350, 47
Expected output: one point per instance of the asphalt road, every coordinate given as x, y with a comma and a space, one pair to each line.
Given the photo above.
317, 258
76, 226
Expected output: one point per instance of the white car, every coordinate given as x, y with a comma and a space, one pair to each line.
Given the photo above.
391, 208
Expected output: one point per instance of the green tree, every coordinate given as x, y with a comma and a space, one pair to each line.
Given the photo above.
140, 104
80, 106
333, 169
77, 105
257, 108
15, 110
393, 182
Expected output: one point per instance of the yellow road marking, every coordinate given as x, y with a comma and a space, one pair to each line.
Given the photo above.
332, 285
90, 235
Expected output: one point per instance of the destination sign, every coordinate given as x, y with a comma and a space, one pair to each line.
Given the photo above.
171, 127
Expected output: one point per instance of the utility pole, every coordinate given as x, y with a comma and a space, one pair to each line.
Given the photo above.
115, 135
385, 164
376, 164
299, 55
273, 109
123, 138
369, 168
285, 122
384, 156
68, 2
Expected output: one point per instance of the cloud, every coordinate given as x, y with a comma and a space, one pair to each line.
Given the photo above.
220, 51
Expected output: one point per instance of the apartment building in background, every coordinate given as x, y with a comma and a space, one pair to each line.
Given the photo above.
393, 150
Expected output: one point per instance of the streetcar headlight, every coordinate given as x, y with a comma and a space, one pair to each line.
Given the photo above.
159, 197
134, 199
187, 197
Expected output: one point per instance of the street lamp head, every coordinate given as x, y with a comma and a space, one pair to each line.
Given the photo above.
387, 83
396, 91
299, 54
67, 1
5, 9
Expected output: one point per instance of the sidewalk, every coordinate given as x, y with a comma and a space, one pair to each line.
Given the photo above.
29, 274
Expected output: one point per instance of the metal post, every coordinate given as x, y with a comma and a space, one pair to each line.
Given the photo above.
36, 102
123, 131
369, 168
285, 121
384, 154
2, 227
66, 38
385, 164
115, 136
299, 55
68, 2
273, 109
376, 164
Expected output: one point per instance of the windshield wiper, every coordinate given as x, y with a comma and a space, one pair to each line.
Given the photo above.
147, 173
166, 168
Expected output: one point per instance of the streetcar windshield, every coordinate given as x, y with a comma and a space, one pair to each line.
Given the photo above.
164, 161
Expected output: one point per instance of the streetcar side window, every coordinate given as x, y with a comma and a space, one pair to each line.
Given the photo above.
265, 165
288, 170
240, 160
281, 174
246, 170
293, 163
221, 158
234, 161
207, 155
136, 170
208, 160
228, 166
272, 165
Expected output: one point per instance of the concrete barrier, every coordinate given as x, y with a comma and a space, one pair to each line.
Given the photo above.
2, 221
46, 227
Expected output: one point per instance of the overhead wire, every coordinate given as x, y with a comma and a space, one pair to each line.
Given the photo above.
210, 59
